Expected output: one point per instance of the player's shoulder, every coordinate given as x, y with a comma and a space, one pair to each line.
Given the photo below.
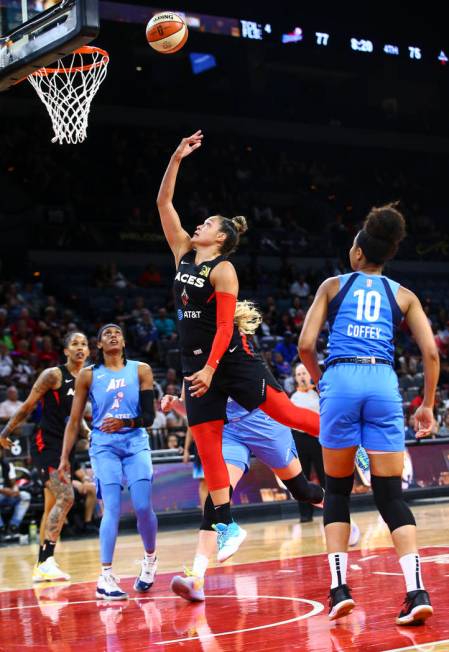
331, 286
406, 298
143, 366
224, 267
86, 373
51, 376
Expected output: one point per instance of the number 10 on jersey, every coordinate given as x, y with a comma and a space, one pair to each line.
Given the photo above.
368, 305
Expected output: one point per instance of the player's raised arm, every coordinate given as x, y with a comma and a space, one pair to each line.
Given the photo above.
72, 428
421, 331
177, 238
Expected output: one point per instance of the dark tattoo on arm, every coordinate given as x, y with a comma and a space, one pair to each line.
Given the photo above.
47, 380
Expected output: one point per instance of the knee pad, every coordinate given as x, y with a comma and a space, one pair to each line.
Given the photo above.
336, 499
209, 513
390, 501
303, 490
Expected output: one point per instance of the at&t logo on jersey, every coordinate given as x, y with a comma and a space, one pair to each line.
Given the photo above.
115, 383
188, 314
190, 280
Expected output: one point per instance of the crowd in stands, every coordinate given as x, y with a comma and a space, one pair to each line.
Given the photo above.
297, 202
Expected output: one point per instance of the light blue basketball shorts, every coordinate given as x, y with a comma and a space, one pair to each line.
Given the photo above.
271, 442
360, 404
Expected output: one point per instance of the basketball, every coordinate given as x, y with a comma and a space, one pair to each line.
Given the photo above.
167, 32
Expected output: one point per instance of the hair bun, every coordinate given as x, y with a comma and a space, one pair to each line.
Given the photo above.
386, 223
240, 224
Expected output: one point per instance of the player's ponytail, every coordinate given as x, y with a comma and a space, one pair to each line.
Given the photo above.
247, 317
383, 230
233, 229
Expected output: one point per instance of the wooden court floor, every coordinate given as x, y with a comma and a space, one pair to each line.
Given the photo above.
271, 596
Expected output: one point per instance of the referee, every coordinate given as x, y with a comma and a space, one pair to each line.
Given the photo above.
308, 446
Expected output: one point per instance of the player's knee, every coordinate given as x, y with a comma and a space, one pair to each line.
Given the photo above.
208, 515
65, 497
303, 490
390, 502
336, 499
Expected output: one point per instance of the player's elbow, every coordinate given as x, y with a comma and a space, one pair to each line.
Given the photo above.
162, 200
430, 354
306, 345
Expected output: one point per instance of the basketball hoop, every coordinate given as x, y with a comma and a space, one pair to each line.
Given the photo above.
67, 91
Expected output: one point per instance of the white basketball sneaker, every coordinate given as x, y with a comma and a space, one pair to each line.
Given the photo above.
145, 580
49, 571
108, 589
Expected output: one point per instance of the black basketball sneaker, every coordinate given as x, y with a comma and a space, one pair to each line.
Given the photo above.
416, 609
340, 602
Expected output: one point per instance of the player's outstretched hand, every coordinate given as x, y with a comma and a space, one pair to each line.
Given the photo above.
200, 381
423, 422
175, 403
167, 402
188, 145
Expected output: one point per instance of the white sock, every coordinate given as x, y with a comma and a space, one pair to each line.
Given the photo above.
106, 570
338, 562
200, 564
411, 567
150, 556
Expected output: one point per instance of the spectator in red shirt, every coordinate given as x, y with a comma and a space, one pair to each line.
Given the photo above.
416, 402
47, 354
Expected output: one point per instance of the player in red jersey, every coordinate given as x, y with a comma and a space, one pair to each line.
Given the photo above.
217, 360
55, 389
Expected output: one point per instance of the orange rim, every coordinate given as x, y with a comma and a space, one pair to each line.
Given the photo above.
86, 49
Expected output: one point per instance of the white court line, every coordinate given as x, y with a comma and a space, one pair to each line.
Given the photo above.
367, 558
317, 608
385, 573
56, 603
418, 646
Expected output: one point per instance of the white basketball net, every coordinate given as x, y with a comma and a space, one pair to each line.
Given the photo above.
67, 90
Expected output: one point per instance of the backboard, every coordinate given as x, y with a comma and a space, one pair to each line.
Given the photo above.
34, 33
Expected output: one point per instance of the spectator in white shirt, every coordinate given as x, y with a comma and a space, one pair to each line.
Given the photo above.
300, 288
10, 406
308, 447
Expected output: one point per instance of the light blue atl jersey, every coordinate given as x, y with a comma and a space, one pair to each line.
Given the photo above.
115, 394
363, 317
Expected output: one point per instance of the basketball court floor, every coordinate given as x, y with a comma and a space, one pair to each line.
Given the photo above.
271, 596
